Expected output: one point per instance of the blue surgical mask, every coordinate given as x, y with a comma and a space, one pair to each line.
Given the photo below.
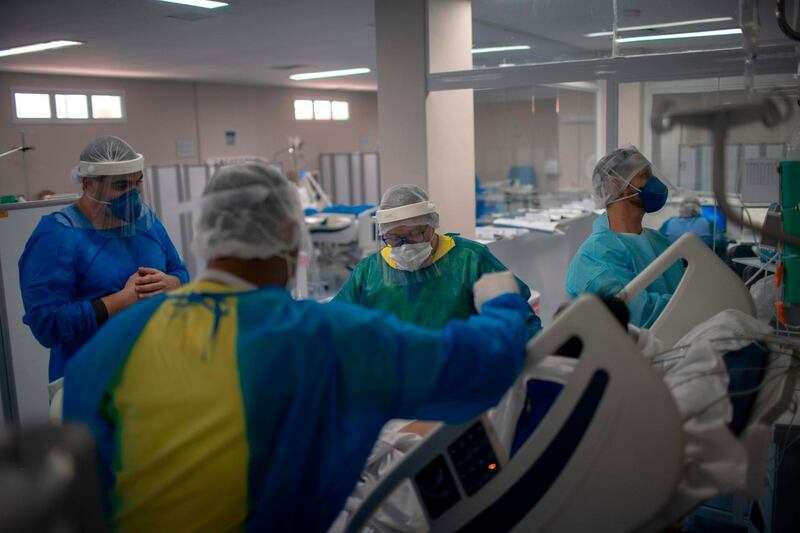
653, 195
127, 207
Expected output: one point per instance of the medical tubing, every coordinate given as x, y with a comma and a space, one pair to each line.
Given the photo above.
760, 270
726, 396
773, 339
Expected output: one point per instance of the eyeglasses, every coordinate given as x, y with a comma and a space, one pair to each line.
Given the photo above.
125, 184
415, 237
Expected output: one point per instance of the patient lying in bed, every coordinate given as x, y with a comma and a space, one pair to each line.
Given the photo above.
707, 373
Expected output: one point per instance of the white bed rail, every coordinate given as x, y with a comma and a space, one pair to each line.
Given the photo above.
606, 457
708, 286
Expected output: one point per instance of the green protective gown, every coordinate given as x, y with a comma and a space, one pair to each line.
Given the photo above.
433, 295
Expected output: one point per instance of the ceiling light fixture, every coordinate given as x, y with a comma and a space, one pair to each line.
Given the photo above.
329, 74
661, 25
207, 4
688, 35
38, 47
493, 49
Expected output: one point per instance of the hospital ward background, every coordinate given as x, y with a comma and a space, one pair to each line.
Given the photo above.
383, 265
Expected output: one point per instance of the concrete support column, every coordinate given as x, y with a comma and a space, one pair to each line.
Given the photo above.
427, 138
400, 48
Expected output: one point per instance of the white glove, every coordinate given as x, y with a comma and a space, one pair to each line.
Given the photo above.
492, 285
56, 390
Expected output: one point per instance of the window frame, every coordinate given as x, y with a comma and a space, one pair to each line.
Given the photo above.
313, 109
53, 113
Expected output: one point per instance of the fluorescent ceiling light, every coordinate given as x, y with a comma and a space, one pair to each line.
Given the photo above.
662, 25
500, 49
328, 74
39, 47
688, 35
208, 4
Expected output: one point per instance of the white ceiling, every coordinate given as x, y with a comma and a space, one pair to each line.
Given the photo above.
250, 40
555, 29
241, 43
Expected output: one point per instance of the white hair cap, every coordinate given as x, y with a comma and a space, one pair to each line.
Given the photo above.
107, 156
249, 211
690, 207
406, 205
615, 171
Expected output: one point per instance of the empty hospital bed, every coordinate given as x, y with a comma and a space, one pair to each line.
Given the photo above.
609, 454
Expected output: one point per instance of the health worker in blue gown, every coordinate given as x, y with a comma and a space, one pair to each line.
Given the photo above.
96, 257
227, 405
619, 247
690, 219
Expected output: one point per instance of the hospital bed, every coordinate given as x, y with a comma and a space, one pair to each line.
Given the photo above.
707, 287
343, 228
609, 453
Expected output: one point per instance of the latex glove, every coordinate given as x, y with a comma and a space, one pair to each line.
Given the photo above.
492, 285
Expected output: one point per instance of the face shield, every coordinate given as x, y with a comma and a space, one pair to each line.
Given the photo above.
626, 175
114, 191
303, 269
408, 243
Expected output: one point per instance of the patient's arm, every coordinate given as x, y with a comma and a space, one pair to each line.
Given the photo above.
420, 427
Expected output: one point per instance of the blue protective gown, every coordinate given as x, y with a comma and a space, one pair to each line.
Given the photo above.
607, 261
214, 408
675, 227
67, 264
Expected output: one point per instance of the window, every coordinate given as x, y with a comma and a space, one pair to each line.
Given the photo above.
321, 110
303, 110
340, 110
72, 106
32, 105
105, 106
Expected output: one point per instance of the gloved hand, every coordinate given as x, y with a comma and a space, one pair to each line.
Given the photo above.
491, 285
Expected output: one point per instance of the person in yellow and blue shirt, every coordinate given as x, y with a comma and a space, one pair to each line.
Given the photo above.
619, 247
421, 276
227, 404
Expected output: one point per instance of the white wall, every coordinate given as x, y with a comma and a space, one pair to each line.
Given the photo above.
160, 112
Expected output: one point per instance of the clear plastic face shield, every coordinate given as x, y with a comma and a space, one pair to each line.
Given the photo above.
407, 243
304, 276
113, 197
625, 175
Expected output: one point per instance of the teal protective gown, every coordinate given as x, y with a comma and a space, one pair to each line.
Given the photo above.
607, 261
